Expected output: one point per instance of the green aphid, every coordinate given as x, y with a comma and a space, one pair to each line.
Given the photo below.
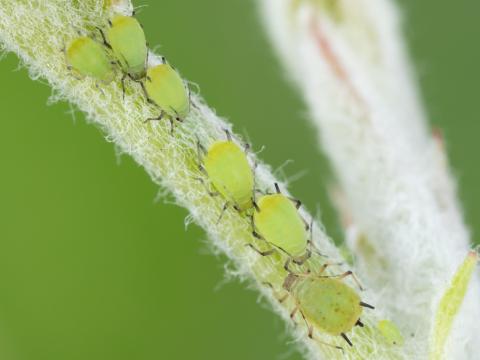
228, 170
230, 173
390, 332
88, 58
324, 302
127, 40
165, 88
277, 221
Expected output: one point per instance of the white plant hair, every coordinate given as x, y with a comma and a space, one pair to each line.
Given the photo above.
406, 228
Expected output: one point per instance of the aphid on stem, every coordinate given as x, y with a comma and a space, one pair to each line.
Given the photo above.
323, 301
164, 88
126, 39
277, 221
86, 57
230, 173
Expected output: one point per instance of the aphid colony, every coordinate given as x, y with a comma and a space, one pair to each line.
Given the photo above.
321, 300
123, 48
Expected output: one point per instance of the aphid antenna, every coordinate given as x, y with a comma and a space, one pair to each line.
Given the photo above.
343, 276
297, 202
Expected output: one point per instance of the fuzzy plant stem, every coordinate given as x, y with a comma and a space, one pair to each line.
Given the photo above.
37, 31
395, 191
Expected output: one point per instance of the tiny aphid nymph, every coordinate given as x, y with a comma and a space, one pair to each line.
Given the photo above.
126, 38
390, 332
324, 302
166, 89
88, 58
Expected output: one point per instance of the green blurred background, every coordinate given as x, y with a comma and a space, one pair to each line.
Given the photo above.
91, 267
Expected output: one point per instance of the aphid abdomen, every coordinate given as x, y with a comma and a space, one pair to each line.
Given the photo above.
279, 223
228, 170
329, 303
166, 88
88, 58
127, 39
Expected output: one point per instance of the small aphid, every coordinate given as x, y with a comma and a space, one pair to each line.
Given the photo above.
228, 170
390, 332
277, 221
88, 58
325, 302
165, 88
127, 41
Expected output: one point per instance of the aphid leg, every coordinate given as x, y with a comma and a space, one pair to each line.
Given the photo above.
123, 86
346, 339
279, 298
158, 118
326, 265
104, 39
99, 88
365, 305
254, 229
258, 251
350, 273
211, 193
301, 259
287, 268
201, 152
142, 85
225, 206
228, 134
359, 323
310, 334
277, 188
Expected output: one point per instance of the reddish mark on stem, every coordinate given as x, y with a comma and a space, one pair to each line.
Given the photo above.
331, 58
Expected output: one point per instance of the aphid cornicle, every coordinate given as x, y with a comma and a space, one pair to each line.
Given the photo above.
89, 58
127, 40
325, 302
277, 221
228, 170
165, 88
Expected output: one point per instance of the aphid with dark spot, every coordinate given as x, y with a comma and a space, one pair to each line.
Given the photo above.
324, 302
